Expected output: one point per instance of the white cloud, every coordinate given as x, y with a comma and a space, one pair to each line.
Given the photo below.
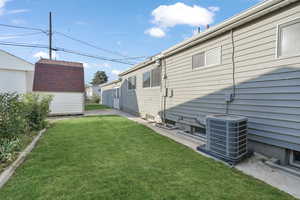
17, 11
95, 65
115, 72
43, 54
168, 16
81, 22
214, 8
86, 65
156, 32
2, 3
180, 13
18, 21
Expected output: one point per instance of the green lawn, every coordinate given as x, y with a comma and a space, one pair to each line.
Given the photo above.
95, 107
110, 157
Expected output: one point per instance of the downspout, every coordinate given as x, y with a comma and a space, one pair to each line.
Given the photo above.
164, 89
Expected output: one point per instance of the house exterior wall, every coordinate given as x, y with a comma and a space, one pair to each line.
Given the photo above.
66, 103
108, 92
145, 102
16, 75
267, 87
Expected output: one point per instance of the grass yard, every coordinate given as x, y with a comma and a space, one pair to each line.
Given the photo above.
110, 157
95, 107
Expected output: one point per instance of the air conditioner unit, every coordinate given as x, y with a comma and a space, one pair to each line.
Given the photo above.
227, 137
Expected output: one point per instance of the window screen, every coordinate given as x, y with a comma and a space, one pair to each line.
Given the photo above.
132, 83
198, 60
146, 79
156, 77
213, 57
289, 38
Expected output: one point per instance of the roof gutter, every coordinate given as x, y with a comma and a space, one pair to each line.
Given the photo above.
236, 21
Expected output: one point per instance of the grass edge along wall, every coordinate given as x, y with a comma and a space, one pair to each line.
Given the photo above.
267, 84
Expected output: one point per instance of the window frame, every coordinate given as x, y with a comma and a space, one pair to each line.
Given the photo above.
205, 57
202, 52
130, 89
155, 68
149, 71
292, 162
278, 37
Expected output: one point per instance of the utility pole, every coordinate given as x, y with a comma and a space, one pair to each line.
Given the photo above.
50, 36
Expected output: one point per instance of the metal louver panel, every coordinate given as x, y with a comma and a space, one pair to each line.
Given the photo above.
227, 136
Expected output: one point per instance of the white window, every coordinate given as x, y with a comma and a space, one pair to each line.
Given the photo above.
146, 79
156, 77
198, 60
289, 39
131, 83
207, 58
295, 158
213, 57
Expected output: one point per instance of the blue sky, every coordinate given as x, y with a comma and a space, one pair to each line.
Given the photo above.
132, 28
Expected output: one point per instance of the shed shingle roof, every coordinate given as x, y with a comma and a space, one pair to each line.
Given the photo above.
58, 76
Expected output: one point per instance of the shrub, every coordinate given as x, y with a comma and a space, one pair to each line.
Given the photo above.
8, 148
36, 109
95, 99
12, 121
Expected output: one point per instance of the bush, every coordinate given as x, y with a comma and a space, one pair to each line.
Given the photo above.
95, 99
8, 148
36, 110
12, 121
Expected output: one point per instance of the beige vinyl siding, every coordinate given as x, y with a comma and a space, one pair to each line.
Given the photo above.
268, 88
141, 101
108, 92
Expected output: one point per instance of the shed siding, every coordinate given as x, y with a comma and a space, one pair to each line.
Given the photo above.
267, 88
66, 103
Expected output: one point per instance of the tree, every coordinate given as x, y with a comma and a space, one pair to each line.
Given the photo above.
100, 77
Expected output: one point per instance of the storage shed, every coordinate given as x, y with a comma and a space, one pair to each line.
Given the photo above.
64, 81
16, 74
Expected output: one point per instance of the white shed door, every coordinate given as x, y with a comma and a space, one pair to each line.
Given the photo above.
67, 103
12, 81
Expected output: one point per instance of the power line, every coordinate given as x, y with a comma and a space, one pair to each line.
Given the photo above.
93, 56
77, 40
22, 34
24, 27
41, 46
99, 48
64, 50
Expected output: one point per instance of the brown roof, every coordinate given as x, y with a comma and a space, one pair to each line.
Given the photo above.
58, 76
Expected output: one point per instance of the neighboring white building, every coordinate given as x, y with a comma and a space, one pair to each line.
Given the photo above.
64, 81
91, 91
16, 74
